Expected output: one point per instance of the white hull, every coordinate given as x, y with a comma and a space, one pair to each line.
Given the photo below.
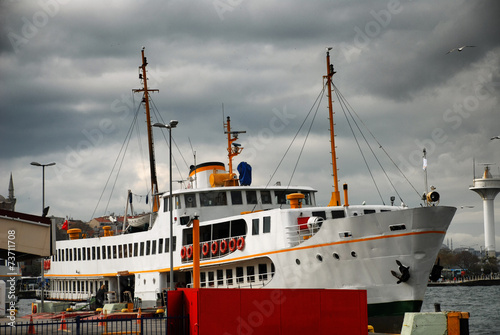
365, 258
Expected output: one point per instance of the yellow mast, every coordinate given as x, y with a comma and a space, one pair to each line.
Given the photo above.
335, 199
152, 163
232, 151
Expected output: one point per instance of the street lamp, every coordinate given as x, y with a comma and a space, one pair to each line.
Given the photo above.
169, 126
44, 213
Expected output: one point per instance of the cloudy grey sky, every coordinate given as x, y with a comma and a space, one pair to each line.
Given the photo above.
67, 70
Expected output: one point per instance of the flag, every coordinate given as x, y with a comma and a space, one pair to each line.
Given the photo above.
425, 163
65, 225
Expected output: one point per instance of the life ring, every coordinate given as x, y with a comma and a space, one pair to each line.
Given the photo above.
214, 248
183, 252
189, 252
223, 246
241, 243
232, 244
204, 249
33, 308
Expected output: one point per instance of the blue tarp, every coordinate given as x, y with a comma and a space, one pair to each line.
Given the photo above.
245, 171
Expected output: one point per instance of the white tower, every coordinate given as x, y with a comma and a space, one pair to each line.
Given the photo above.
488, 187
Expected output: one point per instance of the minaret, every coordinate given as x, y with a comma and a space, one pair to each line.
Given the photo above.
12, 199
488, 187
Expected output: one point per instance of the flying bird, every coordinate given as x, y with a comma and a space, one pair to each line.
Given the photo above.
495, 138
461, 48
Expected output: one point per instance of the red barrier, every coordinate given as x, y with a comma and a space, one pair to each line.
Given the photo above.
271, 311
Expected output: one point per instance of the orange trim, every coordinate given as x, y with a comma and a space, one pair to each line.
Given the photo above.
205, 168
187, 266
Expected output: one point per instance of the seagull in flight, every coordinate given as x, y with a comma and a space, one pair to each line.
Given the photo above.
495, 138
461, 48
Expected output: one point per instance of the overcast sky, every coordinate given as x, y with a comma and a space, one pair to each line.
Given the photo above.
67, 70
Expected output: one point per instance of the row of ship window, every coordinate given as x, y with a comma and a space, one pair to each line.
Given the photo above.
220, 198
115, 251
238, 276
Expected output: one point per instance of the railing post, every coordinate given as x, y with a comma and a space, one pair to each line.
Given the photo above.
77, 319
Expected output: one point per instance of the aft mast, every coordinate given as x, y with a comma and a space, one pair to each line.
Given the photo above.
233, 149
145, 100
335, 199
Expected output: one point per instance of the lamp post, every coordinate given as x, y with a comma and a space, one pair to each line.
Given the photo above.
44, 213
43, 181
169, 126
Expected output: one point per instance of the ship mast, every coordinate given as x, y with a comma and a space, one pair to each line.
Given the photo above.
145, 100
335, 199
233, 149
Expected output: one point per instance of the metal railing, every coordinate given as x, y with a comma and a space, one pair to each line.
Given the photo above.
143, 325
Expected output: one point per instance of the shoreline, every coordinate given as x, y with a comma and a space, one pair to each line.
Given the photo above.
473, 282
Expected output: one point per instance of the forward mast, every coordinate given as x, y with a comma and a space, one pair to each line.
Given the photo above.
145, 100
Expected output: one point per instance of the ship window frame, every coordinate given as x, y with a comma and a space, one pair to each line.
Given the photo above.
148, 247
211, 279
262, 268
114, 252
104, 252
251, 197
84, 254
220, 277
213, 198
338, 214
203, 278
192, 203
88, 253
250, 274
136, 249
369, 211
98, 253
153, 247
141, 250
236, 197
125, 251
130, 250
229, 277
79, 253
120, 251
240, 274
110, 255
266, 197
266, 224
160, 245
255, 226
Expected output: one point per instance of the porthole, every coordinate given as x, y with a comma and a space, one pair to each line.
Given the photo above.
353, 254
297, 261
154, 280
144, 281
336, 256
319, 257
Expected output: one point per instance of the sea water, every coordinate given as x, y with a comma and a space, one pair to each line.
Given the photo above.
482, 302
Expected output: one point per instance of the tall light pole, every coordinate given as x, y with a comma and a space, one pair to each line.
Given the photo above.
169, 126
44, 213
43, 181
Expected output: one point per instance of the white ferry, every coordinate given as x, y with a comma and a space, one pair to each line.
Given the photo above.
261, 237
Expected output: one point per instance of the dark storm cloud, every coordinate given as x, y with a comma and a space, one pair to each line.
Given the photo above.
67, 70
